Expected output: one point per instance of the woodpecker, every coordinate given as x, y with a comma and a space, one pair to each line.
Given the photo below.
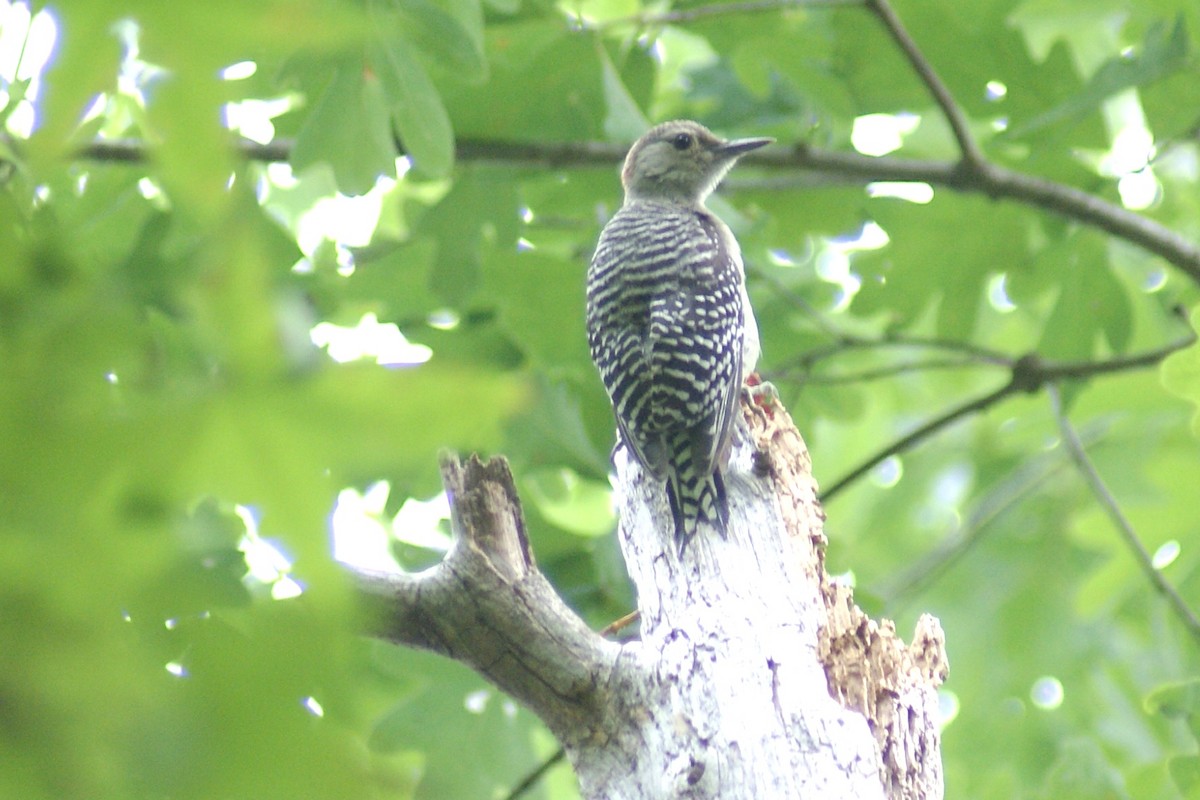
669, 324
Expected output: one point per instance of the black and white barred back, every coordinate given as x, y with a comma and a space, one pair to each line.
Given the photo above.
665, 328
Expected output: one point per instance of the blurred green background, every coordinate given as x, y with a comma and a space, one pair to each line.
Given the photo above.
216, 370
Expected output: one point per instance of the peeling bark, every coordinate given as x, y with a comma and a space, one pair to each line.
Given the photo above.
872, 671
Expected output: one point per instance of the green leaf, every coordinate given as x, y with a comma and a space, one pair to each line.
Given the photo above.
727, 101
479, 213
14, 93
1181, 373
1083, 772
349, 129
440, 34
546, 84
930, 260
504, 6
555, 430
346, 421
575, 504
414, 105
541, 301
1180, 700
445, 707
1164, 51
1185, 772
624, 122
1090, 300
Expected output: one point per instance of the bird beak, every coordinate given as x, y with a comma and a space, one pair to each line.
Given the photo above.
739, 147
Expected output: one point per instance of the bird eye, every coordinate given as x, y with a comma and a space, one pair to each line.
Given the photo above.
682, 141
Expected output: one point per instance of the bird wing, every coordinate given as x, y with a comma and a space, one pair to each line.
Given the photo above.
670, 350
618, 323
730, 273
694, 338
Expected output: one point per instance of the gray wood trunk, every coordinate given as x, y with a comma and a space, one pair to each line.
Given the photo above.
754, 675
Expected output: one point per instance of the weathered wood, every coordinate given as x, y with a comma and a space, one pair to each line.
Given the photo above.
732, 640
754, 675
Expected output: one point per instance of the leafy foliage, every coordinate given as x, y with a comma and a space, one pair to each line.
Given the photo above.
158, 378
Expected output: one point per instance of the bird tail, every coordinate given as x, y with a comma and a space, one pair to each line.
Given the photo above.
696, 496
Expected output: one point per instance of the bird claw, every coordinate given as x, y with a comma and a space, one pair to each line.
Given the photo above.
760, 394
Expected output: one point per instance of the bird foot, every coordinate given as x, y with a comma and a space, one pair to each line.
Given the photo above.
760, 394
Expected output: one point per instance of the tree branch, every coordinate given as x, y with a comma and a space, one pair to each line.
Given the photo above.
998, 182
743, 641
1028, 374
1078, 370
905, 443
1109, 503
1025, 479
985, 178
976, 173
531, 780
683, 16
734, 624
972, 156
488, 606
874, 374
966, 353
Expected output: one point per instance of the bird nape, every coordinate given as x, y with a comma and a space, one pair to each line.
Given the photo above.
669, 324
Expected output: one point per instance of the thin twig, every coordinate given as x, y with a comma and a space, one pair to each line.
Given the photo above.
618, 625
971, 154
1029, 374
898, 592
905, 443
877, 373
843, 343
1075, 370
1096, 483
972, 355
1165, 148
801, 303
998, 182
532, 778
685, 15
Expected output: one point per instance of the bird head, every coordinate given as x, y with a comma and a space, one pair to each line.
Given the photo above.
681, 161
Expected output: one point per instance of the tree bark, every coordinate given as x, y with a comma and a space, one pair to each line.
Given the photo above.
754, 676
